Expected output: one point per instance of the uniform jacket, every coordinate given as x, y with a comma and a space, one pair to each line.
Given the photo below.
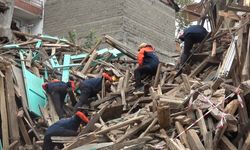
146, 56
94, 85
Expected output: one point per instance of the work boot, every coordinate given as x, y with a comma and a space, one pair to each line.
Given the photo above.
139, 90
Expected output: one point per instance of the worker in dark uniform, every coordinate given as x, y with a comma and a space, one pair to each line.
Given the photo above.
148, 63
64, 127
58, 91
192, 35
91, 87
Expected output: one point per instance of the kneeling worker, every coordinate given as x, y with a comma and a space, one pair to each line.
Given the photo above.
148, 63
64, 127
58, 91
91, 87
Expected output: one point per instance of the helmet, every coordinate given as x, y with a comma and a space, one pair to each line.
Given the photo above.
143, 45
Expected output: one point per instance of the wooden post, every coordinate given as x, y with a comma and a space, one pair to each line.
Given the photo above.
157, 76
163, 115
4, 116
11, 106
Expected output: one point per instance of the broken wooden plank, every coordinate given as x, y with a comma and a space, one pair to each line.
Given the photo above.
22, 127
88, 63
118, 146
11, 106
200, 67
157, 75
93, 120
119, 125
148, 128
81, 141
183, 137
194, 140
225, 144
4, 116
169, 142
201, 123
186, 82
208, 141
135, 130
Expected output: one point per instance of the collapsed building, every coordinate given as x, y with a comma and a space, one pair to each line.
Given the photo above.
203, 106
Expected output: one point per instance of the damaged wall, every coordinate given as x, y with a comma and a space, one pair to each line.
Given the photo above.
129, 21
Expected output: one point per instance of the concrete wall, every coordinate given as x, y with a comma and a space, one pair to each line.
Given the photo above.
130, 21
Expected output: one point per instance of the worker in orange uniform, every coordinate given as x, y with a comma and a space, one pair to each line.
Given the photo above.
64, 127
91, 87
148, 63
58, 90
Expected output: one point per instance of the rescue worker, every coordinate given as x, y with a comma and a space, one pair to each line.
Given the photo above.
58, 91
64, 127
192, 35
148, 63
91, 87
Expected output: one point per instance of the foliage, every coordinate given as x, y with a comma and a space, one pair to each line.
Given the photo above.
181, 18
88, 41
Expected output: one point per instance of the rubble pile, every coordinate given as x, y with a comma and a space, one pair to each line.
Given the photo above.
205, 105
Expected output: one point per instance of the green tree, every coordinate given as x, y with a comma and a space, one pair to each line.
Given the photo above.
90, 40
181, 19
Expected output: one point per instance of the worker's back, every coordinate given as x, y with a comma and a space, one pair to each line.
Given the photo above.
195, 29
94, 84
150, 58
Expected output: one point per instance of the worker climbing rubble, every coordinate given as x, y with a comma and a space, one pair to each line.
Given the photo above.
148, 63
64, 127
58, 91
192, 35
91, 87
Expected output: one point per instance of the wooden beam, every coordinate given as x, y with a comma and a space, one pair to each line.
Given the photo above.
93, 120
194, 140
208, 141
246, 145
199, 68
4, 116
121, 145
23, 129
183, 137
90, 60
202, 124
186, 82
121, 47
170, 143
81, 141
148, 128
157, 76
225, 144
11, 106
134, 130
119, 125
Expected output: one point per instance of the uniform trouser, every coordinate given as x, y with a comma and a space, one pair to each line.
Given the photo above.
84, 97
189, 41
58, 101
58, 131
143, 71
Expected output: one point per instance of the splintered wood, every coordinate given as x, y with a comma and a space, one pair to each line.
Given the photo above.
204, 107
